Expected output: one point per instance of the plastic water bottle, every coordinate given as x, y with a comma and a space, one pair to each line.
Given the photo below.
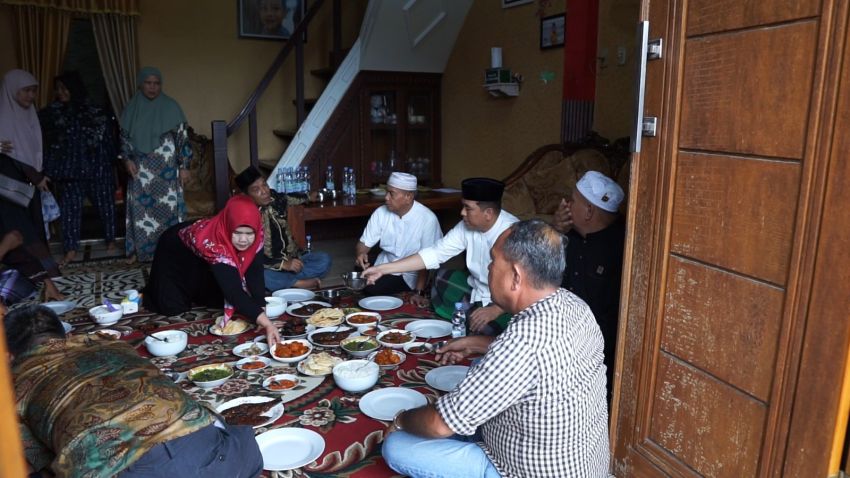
329, 179
459, 321
307, 180
281, 184
352, 183
309, 240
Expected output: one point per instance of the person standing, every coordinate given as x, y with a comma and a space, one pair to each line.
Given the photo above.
80, 150
21, 161
156, 153
402, 226
534, 405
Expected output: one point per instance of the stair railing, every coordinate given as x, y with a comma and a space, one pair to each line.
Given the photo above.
221, 131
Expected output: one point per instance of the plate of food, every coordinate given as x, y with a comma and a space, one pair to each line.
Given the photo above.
289, 448
305, 309
395, 338
380, 303
250, 348
388, 359
110, 334
330, 337
318, 364
326, 317
253, 364
281, 382
296, 328
233, 327
254, 411
294, 295
291, 351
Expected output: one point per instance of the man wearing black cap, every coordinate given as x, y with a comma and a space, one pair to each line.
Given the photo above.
285, 264
483, 222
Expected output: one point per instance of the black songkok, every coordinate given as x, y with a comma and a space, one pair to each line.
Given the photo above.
482, 189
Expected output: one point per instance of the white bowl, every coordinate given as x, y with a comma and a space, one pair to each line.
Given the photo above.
394, 345
359, 353
410, 345
401, 358
102, 316
240, 364
211, 383
363, 326
279, 377
356, 375
291, 359
275, 306
177, 341
378, 192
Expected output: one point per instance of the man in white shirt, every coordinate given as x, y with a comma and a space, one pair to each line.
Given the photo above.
483, 222
401, 227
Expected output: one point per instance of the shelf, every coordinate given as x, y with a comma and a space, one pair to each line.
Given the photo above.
502, 89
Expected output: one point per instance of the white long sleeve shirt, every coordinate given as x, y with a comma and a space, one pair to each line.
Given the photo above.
477, 246
402, 236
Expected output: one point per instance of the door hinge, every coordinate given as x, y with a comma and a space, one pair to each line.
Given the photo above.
648, 126
654, 49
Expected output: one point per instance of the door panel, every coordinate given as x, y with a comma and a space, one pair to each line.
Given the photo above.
711, 427
717, 15
749, 91
736, 213
722, 323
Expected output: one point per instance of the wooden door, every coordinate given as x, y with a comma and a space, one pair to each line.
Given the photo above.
734, 330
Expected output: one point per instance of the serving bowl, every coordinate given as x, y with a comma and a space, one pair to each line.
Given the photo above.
354, 281
363, 320
330, 295
359, 346
193, 375
268, 383
174, 342
275, 307
102, 316
297, 358
400, 356
384, 338
254, 363
356, 375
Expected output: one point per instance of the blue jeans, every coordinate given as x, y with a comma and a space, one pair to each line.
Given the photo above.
455, 457
316, 265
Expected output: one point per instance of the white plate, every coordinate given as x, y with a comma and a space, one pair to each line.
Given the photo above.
352, 332
273, 414
301, 304
446, 378
303, 371
380, 303
253, 358
429, 329
241, 349
289, 448
60, 306
214, 332
383, 404
294, 295
68, 327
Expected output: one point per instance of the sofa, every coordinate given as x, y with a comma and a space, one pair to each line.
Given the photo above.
549, 174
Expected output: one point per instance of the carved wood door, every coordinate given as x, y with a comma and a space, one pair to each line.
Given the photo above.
734, 329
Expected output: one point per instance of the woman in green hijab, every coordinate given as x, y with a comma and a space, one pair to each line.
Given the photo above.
157, 153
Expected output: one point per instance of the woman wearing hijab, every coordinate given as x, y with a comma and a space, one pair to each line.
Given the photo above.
156, 152
21, 161
80, 148
213, 262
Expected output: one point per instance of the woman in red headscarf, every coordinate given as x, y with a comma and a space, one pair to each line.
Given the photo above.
212, 262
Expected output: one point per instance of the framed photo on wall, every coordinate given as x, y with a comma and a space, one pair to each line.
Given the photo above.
268, 19
552, 31
514, 3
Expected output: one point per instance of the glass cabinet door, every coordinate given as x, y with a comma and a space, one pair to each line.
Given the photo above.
383, 135
419, 135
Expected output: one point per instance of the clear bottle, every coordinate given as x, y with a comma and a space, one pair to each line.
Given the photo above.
329, 179
352, 183
459, 321
392, 162
281, 183
307, 185
309, 245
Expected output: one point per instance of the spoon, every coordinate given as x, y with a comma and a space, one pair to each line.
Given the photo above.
371, 358
109, 305
156, 338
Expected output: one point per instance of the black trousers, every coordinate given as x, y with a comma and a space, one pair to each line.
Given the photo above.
387, 285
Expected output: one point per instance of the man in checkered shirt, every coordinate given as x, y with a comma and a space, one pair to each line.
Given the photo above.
534, 405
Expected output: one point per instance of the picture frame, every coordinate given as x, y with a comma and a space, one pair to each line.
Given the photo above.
552, 31
514, 3
268, 19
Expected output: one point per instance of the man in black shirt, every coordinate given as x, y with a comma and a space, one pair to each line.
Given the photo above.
596, 235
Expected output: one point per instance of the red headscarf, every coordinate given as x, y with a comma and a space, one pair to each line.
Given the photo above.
210, 239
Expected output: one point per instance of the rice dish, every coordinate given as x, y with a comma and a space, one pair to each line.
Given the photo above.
355, 370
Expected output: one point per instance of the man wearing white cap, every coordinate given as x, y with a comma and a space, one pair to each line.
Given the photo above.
402, 226
596, 236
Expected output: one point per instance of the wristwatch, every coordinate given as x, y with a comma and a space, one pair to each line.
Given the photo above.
396, 423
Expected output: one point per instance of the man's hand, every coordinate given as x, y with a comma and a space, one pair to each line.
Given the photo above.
292, 265
6, 146
372, 274
42, 186
272, 334
419, 301
454, 351
132, 169
362, 260
185, 176
563, 220
480, 317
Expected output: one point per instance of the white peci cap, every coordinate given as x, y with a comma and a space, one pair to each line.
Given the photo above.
602, 191
403, 181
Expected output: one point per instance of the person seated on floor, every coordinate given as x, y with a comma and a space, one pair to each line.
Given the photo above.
212, 262
402, 226
534, 405
595, 240
90, 406
285, 264
483, 221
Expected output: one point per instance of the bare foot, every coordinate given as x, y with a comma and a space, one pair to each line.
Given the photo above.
69, 258
51, 293
131, 259
308, 284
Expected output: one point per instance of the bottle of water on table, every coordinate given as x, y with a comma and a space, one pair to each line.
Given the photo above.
459, 321
309, 240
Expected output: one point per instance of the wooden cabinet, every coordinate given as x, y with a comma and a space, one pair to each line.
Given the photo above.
388, 121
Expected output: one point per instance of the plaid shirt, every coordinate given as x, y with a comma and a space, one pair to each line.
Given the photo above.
539, 394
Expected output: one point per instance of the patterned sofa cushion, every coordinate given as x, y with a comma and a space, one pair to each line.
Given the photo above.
517, 201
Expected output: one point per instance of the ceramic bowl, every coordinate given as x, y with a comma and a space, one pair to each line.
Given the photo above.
267, 383
356, 375
392, 366
211, 383
291, 359
358, 319
356, 348
275, 306
176, 343
102, 316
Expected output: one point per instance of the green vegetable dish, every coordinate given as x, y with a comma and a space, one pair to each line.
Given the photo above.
359, 345
210, 374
